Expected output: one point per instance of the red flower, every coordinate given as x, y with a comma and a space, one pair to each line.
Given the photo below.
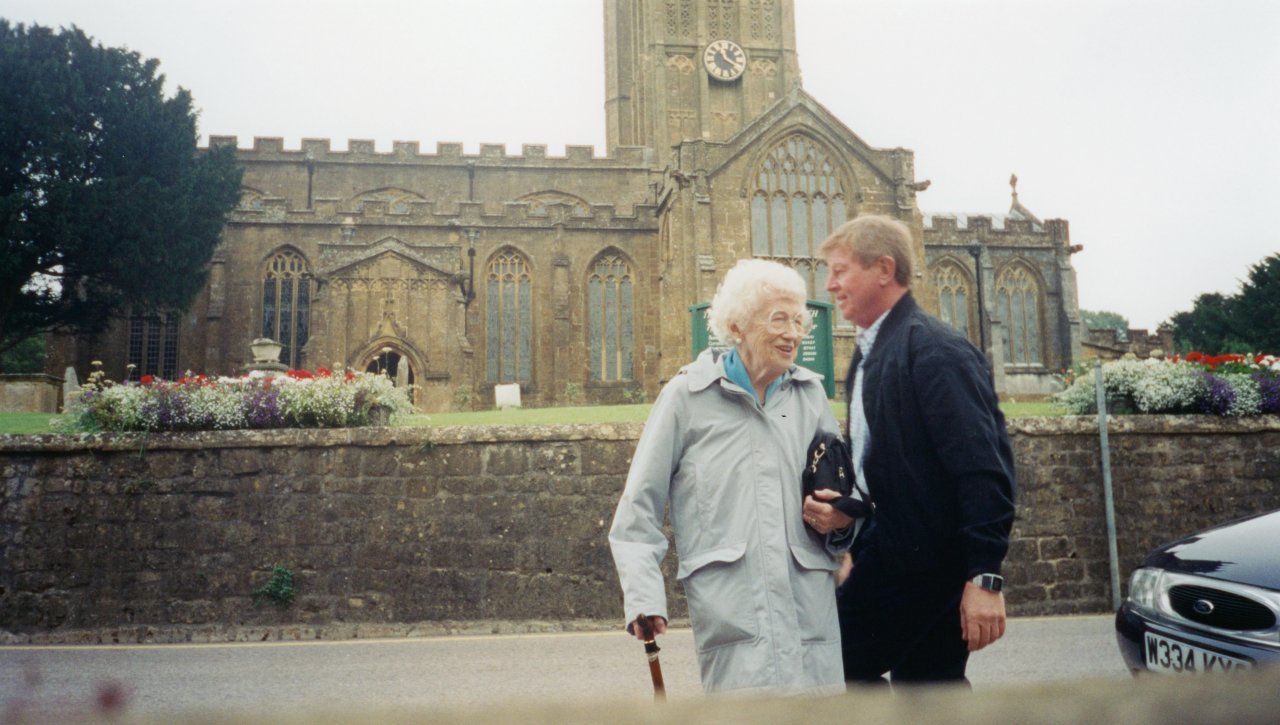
1194, 356
349, 376
147, 379
300, 375
1217, 360
323, 372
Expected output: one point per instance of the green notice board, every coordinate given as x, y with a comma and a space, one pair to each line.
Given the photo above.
815, 350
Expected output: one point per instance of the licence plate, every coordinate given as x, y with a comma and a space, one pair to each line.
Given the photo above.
1170, 655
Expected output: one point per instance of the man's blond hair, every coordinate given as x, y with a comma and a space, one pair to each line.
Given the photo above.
871, 237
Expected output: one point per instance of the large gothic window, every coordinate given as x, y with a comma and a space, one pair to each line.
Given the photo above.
509, 319
611, 339
952, 284
1018, 301
286, 304
797, 201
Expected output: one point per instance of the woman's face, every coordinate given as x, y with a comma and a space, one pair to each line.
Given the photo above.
772, 337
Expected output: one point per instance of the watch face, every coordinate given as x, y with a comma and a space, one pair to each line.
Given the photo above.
724, 60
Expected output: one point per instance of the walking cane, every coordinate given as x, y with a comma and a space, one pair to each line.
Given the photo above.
651, 651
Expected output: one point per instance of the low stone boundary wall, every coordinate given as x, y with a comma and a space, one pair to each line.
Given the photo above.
166, 536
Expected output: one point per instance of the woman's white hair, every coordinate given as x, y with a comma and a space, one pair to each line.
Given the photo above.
745, 289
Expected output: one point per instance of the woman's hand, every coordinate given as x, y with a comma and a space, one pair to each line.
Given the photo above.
822, 516
657, 624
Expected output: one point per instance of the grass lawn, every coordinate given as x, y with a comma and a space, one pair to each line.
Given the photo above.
39, 422
11, 422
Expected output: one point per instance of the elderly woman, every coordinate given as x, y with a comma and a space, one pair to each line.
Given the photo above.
725, 445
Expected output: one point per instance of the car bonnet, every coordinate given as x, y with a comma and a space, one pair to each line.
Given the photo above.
1245, 551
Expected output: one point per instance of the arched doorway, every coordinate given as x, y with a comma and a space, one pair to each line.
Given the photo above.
390, 362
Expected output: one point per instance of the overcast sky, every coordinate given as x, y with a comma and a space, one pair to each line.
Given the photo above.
1148, 124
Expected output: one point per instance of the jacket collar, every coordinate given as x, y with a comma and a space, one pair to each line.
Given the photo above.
903, 309
709, 367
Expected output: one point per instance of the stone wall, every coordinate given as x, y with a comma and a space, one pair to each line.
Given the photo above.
166, 537
1109, 344
32, 393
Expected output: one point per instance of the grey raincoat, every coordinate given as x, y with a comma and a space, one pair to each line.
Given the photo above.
761, 588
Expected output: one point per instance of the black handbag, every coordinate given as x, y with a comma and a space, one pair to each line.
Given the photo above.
829, 464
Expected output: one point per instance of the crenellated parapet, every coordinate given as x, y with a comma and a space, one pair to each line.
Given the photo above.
514, 214
994, 229
319, 150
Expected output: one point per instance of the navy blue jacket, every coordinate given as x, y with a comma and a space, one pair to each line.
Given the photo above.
939, 465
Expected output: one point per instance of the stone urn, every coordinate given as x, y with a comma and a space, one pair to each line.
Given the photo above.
265, 350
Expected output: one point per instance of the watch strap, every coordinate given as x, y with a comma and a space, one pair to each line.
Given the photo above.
989, 582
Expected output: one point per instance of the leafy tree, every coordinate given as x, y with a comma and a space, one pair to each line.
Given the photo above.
105, 202
1104, 320
1211, 326
25, 357
1258, 306
1245, 322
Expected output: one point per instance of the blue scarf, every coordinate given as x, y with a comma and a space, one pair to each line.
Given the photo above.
737, 373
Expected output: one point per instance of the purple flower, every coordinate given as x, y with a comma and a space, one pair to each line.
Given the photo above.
262, 408
167, 407
1269, 389
1216, 396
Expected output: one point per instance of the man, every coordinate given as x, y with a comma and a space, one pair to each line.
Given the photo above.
930, 447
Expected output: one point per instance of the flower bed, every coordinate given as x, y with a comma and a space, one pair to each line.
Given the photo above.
297, 399
1228, 385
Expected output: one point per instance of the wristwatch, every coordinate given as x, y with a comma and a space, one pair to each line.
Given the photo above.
990, 582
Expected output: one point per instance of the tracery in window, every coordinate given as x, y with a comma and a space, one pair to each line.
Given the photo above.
952, 284
286, 304
508, 318
722, 19
797, 201
1018, 301
610, 310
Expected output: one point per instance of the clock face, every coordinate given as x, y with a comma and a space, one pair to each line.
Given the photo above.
724, 60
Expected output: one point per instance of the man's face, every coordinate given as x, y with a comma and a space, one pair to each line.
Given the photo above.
859, 291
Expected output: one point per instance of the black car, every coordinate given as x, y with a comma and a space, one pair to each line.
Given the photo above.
1206, 603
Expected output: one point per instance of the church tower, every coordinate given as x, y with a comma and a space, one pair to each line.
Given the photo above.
689, 70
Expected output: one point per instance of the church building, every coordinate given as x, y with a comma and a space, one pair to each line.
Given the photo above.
578, 276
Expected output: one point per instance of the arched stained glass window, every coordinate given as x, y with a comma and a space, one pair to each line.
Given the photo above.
509, 319
1018, 300
798, 200
760, 224
814, 272
610, 309
805, 200
952, 284
286, 304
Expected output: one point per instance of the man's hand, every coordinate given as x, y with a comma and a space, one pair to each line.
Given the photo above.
981, 616
846, 568
822, 516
